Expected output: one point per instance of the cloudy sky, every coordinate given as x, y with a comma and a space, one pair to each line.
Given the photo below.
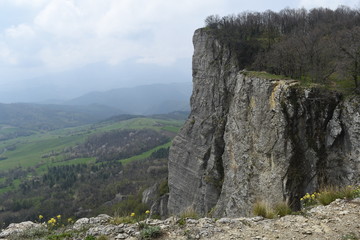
64, 48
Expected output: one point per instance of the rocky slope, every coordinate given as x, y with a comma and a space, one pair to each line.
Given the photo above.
250, 138
339, 220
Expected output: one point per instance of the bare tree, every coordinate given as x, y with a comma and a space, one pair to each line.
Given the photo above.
349, 44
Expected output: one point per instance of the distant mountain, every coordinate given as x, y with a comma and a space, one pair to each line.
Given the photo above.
47, 117
100, 76
146, 99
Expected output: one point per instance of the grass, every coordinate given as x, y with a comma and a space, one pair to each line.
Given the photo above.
189, 213
266, 210
266, 75
145, 154
263, 209
329, 194
122, 219
349, 236
282, 209
28, 150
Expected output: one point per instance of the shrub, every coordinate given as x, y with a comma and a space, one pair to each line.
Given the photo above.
181, 222
163, 187
90, 237
60, 236
150, 232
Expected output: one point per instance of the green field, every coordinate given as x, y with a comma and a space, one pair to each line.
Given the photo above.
29, 151
145, 154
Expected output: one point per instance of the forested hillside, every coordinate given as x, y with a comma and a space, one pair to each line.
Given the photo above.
317, 46
85, 170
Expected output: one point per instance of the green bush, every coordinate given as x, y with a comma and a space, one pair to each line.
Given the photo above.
150, 232
181, 222
60, 236
90, 237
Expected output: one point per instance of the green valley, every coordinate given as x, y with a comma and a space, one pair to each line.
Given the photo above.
74, 171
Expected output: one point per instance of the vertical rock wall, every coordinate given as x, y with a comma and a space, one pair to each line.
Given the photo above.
250, 138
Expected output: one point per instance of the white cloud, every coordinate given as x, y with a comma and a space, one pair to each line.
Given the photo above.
115, 30
25, 3
64, 34
62, 18
6, 55
23, 31
333, 4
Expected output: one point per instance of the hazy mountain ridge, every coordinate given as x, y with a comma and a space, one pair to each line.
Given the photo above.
146, 99
52, 87
97, 106
46, 117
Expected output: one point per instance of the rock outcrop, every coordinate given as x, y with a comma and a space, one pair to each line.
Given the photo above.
254, 138
157, 202
339, 220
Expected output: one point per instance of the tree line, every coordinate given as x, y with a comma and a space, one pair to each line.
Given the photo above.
318, 45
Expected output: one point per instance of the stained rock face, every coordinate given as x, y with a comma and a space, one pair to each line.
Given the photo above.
250, 138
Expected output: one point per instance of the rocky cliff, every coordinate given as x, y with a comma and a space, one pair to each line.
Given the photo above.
250, 138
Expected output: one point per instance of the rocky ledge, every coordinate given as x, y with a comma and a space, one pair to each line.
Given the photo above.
339, 220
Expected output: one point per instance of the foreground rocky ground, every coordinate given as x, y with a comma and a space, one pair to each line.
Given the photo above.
339, 220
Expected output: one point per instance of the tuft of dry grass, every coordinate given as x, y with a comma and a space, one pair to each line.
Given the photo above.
263, 209
328, 194
282, 209
189, 213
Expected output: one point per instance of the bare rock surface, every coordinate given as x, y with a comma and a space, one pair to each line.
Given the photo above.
338, 221
19, 228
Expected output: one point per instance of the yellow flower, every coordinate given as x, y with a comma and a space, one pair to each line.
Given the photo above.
52, 221
69, 220
147, 212
41, 217
58, 216
132, 215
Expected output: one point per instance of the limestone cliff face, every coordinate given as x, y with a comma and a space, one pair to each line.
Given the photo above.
250, 138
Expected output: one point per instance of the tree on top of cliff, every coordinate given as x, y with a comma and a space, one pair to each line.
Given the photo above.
318, 45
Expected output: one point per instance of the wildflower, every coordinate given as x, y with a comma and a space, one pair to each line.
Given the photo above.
147, 212
70, 220
132, 215
58, 216
52, 221
41, 217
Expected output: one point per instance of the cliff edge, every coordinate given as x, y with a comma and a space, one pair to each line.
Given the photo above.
252, 138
